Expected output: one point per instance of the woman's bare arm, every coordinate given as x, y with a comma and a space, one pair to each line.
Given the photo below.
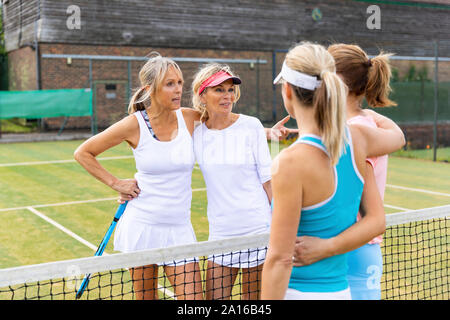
285, 219
385, 139
125, 130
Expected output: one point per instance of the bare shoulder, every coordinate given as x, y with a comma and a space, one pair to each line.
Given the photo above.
290, 162
191, 117
126, 129
191, 114
129, 123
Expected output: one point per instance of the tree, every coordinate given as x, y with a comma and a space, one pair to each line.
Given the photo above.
2, 36
3, 56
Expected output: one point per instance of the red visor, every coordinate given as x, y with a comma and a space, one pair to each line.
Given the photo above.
216, 79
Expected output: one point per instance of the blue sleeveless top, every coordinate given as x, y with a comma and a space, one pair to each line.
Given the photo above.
326, 220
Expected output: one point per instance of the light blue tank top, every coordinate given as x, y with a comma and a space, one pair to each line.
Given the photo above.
327, 219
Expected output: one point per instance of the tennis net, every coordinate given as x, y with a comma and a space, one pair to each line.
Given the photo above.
415, 266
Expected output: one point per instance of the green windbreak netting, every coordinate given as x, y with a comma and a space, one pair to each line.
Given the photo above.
45, 103
416, 102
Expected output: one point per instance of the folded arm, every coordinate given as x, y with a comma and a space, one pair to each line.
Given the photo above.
388, 137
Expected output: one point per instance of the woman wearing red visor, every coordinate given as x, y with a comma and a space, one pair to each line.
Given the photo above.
234, 157
159, 131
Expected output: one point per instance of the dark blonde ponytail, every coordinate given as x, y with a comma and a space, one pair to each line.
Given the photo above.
378, 82
363, 76
137, 101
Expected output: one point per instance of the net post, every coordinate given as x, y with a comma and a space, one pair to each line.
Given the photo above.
436, 93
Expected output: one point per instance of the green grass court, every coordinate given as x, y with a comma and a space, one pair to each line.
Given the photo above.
45, 192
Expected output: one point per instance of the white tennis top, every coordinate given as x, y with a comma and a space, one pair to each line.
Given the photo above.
235, 162
164, 173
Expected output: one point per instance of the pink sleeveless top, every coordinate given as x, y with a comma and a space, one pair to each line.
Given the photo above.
379, 165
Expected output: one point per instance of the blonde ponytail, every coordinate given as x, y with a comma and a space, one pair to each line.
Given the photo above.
329, 100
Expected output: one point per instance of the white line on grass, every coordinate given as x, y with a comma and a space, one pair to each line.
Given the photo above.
71, 203
90, 245
165, 291
418, 190
62, 228
57, 204
35, 163
397, 208
398, 187
196, 167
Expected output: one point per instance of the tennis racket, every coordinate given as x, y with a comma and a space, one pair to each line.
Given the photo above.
102, 246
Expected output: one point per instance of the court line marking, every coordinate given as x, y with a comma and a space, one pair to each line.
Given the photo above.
62, 228
71, 202
402, 188
164, 290
418, 190
115, 198
36, 163
196, 167
395, 207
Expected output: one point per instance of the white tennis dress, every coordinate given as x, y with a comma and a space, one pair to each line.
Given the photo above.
235, 163
160, 216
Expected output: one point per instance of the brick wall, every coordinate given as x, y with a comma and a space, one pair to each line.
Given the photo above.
22, 69
419, 136
57, 73
112, 104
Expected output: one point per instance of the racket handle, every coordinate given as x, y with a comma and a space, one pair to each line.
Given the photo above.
102, 246
83, 286
120, 211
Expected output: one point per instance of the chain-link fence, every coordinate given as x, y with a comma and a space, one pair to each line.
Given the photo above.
421, 86
114, 79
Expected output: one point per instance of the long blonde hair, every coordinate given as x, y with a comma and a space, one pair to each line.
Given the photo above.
328, 100
364, 76
151, 77
204, 73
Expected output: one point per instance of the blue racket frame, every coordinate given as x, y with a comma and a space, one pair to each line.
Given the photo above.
102, 246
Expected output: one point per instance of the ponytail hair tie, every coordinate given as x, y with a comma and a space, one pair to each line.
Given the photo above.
369, 62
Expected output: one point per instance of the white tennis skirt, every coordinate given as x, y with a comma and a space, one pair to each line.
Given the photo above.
292, 294
248, 258
133, 235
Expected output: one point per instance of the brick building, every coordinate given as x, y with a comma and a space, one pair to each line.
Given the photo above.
79, 43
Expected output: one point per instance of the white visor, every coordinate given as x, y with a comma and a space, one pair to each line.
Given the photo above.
297, 79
